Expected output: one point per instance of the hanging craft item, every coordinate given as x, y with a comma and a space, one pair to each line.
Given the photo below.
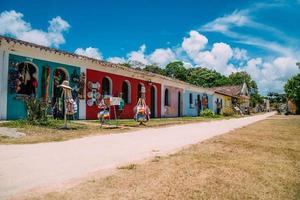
45, 82
75, 79
205, 101
93, 95
141, 110
81, 90
13, 80
70, 107
104, 111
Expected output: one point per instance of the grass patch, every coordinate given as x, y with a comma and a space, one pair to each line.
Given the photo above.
259, 161
128, 167
50, 131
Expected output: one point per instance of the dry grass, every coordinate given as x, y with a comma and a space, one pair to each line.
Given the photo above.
260, 161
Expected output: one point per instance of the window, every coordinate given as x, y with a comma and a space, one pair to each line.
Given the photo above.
191, 100
27, 81
167, 98
126, 94
106, 86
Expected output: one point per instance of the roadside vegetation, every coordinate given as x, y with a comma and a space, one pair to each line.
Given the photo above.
50, 130
259, 161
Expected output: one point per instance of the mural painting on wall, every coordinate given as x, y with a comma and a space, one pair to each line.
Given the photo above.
205, 101
22, 79
93, 94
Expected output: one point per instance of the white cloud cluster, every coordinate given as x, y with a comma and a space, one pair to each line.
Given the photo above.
162, 57
12, 23
89, 52
139, 58
271, 76
217, 57
194, 43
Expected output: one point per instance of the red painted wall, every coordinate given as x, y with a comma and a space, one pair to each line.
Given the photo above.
117, 80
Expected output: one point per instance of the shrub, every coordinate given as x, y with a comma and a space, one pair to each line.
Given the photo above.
36, 110
207, 113
228, 111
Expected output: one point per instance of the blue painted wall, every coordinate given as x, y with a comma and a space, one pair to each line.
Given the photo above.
16, 107
193, 110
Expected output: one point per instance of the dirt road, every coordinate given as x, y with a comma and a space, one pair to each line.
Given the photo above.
24, 167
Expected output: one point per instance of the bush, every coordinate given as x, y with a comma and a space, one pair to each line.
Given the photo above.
228, 111
207, 113
36, 110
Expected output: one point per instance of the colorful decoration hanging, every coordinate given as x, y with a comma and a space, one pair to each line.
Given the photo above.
45, 82
13, 80
81, 91
93, 95
205, 101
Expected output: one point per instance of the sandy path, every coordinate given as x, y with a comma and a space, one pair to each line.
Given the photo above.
24, 167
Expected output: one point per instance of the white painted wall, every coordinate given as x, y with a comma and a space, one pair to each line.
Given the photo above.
3, 83
82, 102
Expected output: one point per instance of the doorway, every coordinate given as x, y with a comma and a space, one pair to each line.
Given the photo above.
153, 102
179, 104
198, 104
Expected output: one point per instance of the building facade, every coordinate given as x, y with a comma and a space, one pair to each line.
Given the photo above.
32, 70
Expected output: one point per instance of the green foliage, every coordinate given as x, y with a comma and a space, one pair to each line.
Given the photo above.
126, 65
228, 111
206, 78
176, 70
292, 90
155, 69
36, 110
207, 113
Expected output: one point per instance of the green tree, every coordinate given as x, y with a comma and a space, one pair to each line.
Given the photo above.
206, 78
292, 90
239, 78
155, 69
176, 70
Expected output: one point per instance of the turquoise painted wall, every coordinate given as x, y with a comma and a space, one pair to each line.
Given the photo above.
193, 110
16, 107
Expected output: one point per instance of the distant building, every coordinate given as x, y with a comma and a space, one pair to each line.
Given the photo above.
232, 96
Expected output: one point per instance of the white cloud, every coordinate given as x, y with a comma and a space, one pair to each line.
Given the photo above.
217, 58
162, 57
271, 76
12, 24
244, 19
223, 24
89, 52
138, 56
240, 54
116, 60
194, 43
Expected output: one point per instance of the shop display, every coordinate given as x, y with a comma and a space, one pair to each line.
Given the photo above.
142, 111
205, 101
45, 82
93, 95
81, 90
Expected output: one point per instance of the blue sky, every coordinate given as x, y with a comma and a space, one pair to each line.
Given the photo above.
261, 37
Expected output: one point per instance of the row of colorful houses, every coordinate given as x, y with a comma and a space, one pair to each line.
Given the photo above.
27, 69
